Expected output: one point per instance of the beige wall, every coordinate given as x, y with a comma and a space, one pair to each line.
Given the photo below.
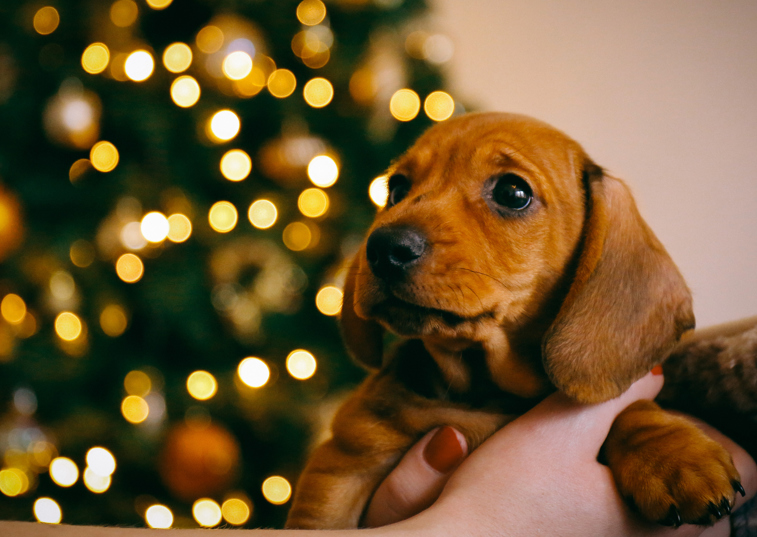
661, 92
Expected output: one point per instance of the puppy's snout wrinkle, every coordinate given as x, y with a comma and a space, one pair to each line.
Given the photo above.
392, 251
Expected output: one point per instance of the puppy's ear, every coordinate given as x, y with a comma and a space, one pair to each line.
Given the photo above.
627, 306
364, 338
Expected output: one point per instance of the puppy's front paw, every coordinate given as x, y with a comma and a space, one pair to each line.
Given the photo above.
670, 470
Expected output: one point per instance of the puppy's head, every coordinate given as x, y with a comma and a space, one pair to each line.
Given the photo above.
500, 232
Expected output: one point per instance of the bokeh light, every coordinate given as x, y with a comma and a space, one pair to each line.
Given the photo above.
277, 490
130, 268
159, 517
209, 39
313, 202
131, 236
224, 125
222, 217
179, 227
159, 4
323, 171
62, 285
206, 512
95, 482
104, 156
47, 511
311, 12
95, 58
262, 214
318, 92
134, 409
378, 190
235, 511
282, 83
139, 65
46, 20
13, 308
63, 471
113, 320
137, 383
237, 65
254, 372
405, 104
301, 364
123, 13
154, 227
185, 91
202, 385
68, 326
439, 106
82, 253
329, 300
297, 236
13, 482
101, 461
236, 165
177, 57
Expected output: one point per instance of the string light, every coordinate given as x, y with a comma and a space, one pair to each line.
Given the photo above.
131, 236
47, 511
206, 512
329, 300
62, 285
318, 92
68, 326
323, 171
63, 471
177, 57
209, 39
311, 12
282, 83
13, 308
139, 65
129, 268
185, 91
297, 236
159, 4
137, 383
123, 13
237, 65
224, 125
236, 165
313, 202
405, 104
94, 482
113, 320
134, 409
277, 490
202, 385
159, 517
82, 253
46, 20
13, 482
235, 511
378, 190
262, 214
101, 461
253, 372
154, 227
222, 217
301, 364
179, 227
95, 58
104, 156
439, 106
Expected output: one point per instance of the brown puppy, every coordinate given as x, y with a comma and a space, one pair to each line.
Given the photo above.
512, 265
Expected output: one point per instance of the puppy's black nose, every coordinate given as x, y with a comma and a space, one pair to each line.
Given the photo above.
391, 251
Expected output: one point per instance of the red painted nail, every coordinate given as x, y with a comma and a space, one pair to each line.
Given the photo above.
444, 452
657, 370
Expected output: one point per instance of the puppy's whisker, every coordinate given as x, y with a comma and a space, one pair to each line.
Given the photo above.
482, 274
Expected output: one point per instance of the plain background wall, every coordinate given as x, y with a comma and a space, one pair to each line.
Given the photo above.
663, 93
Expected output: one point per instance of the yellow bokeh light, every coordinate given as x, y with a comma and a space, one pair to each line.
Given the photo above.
63, 471
405, 104
236, 165
95, 58
46, 20
301, 364
222, 217
378, 190
78, 169
311, 12
235, 511
297, 236
159, 517
329, 300
177, 57
113, 320
62, 285
313, 202
104, 156
13, 308
185, 91
82, 253
154, 227
318, 92
159, 4
179, 228
253, 372
262, 214
237, 65
209, 39
95, 482
130, 268
13, 482
123, 13
206, 512
224, 125
134, 409
137, 383
139, 65
47, 511
439, 105
68, 326
101, 461
202, 385
323, 171
277, 490
282, 83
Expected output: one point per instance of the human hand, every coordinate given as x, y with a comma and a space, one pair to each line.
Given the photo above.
556, 487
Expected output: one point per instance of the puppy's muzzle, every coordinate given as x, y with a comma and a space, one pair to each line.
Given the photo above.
393, 251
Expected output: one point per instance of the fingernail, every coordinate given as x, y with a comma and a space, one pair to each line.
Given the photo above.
444, 452
657, 370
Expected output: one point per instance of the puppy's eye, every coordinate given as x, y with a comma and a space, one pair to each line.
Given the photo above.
399, 186
512, 192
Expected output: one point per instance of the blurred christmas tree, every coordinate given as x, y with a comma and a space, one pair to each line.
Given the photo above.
156, 284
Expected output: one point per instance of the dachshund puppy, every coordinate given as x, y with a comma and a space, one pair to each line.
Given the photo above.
510, 265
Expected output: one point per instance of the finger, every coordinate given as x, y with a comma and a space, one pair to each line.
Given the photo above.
418, 479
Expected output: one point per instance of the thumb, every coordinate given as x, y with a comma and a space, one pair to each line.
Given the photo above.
418, 479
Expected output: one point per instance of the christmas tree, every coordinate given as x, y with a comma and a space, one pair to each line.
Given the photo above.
181, 186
